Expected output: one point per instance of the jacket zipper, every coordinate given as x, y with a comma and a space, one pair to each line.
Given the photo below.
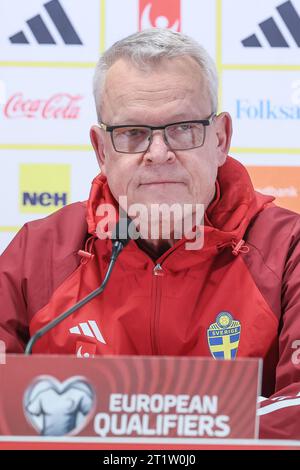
158, 274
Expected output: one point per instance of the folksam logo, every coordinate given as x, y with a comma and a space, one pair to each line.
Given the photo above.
265, 109
44, 188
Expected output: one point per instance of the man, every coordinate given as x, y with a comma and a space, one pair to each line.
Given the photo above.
160, 141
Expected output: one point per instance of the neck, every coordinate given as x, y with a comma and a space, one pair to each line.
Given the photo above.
155, 248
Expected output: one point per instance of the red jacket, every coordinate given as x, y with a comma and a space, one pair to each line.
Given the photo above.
246, 278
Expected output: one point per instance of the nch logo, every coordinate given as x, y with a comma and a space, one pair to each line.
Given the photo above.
44, 188
41, 32
44, 199
272, 31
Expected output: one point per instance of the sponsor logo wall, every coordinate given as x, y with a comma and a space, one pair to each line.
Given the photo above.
43, 187
279, 181
258, 60
48, 50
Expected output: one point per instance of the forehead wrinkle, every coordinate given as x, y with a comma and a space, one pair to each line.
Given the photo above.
145, 94
144, 101
141, 114
143, 108
129, 93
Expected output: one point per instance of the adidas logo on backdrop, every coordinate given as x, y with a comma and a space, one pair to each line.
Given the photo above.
278, 34
40, 30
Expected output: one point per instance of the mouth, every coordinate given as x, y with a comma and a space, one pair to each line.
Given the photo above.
153, 183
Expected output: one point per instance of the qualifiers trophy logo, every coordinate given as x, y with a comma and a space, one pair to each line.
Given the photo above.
57, 408
224, 336
159, 14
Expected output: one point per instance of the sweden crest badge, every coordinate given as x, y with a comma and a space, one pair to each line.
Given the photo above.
224, 336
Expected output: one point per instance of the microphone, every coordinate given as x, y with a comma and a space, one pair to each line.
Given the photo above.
120, 238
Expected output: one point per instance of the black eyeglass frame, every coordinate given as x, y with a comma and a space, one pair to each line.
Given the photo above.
204, 122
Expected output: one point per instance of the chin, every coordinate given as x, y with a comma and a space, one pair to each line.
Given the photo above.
163, 200
168, 197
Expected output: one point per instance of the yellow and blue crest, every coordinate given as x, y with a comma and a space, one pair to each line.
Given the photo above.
224, 336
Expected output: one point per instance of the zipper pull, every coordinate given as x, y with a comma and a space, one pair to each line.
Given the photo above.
239, 247
87, 254
158, 270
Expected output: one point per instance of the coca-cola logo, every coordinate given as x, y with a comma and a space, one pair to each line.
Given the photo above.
159, 14
57, 106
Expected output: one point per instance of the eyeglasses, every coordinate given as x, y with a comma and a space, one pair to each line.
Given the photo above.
185, 135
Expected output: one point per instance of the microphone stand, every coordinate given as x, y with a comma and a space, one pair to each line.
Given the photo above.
118, 246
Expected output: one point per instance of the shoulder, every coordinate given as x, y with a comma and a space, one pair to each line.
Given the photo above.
66, 229
273, 238
65, 220
44, 253
274, 227
58, 236
66, 225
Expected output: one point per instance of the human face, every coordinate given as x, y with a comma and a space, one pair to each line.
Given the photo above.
172, 91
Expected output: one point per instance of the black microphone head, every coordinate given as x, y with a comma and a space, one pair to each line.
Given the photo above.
121, 231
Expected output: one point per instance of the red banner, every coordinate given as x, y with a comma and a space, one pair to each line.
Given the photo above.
139, 399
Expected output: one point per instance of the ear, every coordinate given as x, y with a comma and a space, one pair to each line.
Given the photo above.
224, 134
96, 137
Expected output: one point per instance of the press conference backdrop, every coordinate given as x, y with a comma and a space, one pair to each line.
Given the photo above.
48, 50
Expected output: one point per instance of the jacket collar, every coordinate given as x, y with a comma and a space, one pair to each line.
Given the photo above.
227, 218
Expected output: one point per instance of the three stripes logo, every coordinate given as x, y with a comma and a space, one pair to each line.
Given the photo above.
41, 32
89, 329
272, 31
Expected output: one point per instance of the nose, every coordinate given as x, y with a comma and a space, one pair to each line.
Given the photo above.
159, 152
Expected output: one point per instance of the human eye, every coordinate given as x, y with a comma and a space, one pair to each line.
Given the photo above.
180, 128
184, 126
132, 132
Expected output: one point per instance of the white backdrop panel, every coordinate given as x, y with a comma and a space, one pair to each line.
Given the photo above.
84, 17
241, 19
47, 106
262, 105
83, 169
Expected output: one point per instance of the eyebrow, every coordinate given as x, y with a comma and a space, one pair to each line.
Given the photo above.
175, 118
